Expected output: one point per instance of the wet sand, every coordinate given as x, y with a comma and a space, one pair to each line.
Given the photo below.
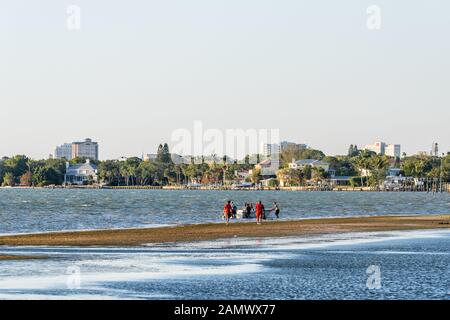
17, 257
213, 231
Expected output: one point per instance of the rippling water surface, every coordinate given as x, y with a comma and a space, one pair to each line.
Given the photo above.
31, 210
413, 265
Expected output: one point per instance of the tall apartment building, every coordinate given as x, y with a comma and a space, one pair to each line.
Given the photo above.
382, 148
86, 148
64, 151
286, 144
377, 147
271, 148
434, 149
392, 150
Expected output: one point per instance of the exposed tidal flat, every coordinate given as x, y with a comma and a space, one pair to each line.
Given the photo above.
215, 231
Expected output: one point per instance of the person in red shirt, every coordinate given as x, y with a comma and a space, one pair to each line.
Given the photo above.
259, 208
227, 211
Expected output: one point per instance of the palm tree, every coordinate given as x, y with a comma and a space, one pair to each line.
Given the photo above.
419, 168
318, 174
379, 164
30, 177
362, 162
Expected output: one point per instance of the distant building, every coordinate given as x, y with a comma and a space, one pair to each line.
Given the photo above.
69, 151
81, 174
434, 149
393, 172
267, 168
176, 158
150, 157
381, 148
392, 150
377, 147
86, 148
64, 151
287, 144
270, 148
300, 164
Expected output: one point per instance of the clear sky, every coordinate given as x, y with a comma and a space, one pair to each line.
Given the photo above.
138, 70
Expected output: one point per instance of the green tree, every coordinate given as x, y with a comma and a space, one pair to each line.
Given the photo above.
362, 162
273, 183
146, 172
8, 180
379, 165
109, 172
256, 176
166, 157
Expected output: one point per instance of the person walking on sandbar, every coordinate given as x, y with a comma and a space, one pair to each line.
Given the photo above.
276, 208
259, 212
227, 211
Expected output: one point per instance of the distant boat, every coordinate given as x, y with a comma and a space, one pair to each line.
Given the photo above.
243, 185
193, 185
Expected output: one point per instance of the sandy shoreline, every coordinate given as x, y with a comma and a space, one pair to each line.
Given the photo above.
17, 257
213, 231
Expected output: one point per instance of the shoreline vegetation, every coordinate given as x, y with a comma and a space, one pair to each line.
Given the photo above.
295, 166
216, 231
446, 188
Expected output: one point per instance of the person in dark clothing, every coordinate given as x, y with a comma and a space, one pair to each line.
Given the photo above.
276, 208
248, 210
233, 210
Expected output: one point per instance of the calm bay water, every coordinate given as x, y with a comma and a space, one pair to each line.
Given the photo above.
37, 210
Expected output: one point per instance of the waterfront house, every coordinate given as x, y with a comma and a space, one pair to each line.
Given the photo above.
300, 164
81, 174
268, 168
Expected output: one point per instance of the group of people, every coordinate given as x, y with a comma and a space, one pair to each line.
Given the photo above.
230, 211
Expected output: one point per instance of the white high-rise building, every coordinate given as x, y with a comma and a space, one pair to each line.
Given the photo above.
270, 148
377, 147
64, 151
434, 149
392, 150
382, 148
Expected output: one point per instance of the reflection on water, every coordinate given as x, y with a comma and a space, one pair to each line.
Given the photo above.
49, 210
414, 265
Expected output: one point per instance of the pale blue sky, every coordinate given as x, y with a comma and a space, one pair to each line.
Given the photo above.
137, 70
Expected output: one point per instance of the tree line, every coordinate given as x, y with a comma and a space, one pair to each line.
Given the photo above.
24, 171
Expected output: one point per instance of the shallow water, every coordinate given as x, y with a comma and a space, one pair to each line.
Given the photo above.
38, 210
413, 265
